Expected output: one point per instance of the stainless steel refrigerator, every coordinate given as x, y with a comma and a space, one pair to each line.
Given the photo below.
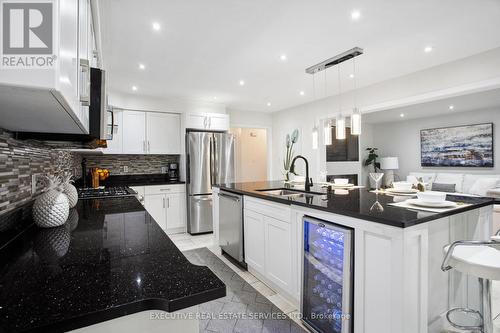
209, 161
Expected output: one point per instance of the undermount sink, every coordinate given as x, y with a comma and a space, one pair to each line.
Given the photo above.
281, 192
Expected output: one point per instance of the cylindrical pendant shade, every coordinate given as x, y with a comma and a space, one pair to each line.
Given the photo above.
327, 135
340, 128
355, 122
314, 138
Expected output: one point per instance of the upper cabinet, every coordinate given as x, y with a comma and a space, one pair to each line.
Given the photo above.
163, 131
138, 132
207, 121
45, 80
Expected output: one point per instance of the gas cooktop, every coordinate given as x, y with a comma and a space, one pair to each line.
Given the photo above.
105, 192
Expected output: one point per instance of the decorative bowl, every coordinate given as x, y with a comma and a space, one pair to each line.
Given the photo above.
341, 181
432, 196
402, 186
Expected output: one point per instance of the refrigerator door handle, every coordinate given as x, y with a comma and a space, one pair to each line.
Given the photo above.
211, 161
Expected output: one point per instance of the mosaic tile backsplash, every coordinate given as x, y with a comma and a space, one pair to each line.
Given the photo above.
20, 159
137, 164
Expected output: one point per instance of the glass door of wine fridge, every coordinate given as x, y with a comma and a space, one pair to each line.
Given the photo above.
327, 276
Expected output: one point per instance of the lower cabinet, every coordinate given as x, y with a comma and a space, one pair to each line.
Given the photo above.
278, 252
254, 230
268, 242
167, 205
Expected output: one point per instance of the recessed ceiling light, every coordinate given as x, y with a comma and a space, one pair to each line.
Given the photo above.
283, 57
242, 83
451, 107
134, 88
268, 103
355, 15
428, 49
302, 93
141, 66
402, 115
156, 26
351, 76
215, 97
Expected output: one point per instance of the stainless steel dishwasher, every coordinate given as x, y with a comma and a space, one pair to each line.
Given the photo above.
231, 226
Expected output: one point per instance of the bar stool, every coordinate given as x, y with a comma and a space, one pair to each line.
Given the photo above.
482, 260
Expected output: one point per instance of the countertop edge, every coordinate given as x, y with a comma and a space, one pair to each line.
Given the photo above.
354, 215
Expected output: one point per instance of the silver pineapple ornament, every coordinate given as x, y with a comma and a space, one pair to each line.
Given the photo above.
51, 208
70, 190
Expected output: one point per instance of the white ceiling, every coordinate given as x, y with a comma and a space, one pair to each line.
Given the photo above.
204, 48
477, 101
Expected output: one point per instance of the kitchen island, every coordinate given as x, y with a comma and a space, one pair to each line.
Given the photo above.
397, 283
110, 267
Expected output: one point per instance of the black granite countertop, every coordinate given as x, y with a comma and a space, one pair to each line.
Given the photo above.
134, 180
109, 260
139, 180
359, 203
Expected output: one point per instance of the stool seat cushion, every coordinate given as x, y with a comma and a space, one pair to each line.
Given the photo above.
481, 261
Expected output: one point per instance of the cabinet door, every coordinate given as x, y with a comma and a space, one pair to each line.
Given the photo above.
254, 230
163, 133
69, 66
134, 132
278, 253
176, 208
197, 121
115, 145
219, 122
156, 207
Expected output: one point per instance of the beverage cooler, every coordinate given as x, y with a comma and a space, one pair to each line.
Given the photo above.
327, 276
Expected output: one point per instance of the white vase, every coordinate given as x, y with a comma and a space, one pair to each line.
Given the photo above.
71, 193
51, 209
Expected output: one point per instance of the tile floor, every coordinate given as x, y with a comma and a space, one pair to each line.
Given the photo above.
187, 242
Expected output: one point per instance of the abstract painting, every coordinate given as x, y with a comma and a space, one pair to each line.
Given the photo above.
459, 146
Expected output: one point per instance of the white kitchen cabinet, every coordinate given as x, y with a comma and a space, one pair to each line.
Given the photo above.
163, 132
278, 250
207, 121
155, 204
268, 243
48, 100
134, 132
167, 205
254, 231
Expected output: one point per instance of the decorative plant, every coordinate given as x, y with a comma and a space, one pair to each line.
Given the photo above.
372, 159
291, 139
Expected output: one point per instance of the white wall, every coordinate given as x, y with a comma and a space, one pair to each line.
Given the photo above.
407, 145
240, 118
464, 73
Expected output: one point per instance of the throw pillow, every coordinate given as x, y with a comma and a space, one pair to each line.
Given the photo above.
449, 188
482, 185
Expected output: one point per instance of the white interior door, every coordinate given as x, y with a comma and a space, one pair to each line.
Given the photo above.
156, 206
134, 132
163, 133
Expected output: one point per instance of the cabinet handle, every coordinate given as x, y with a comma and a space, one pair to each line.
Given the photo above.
84, 82
205, 122
149, 147
144, 146
164, 189
168, 202
163, 202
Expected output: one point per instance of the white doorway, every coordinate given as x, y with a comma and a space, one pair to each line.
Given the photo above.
250, 154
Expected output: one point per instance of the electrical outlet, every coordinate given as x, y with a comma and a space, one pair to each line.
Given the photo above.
125, 168
163, 169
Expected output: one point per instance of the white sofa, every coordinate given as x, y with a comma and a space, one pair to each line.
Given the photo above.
463, 184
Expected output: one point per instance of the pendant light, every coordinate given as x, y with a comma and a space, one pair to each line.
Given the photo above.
340, 120
314, 137
327, 135
327, 129
314, 134
356, 114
